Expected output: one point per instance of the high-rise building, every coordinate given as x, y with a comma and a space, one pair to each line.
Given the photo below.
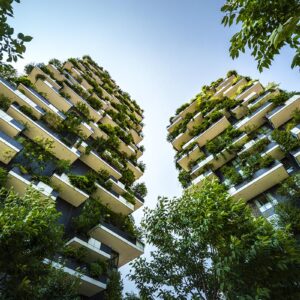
242, 134
87, 133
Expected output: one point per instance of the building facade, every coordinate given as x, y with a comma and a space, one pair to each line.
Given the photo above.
70, 132
242, 134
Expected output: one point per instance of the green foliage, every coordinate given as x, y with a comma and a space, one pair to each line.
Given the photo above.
262, 31
84, 111
182, 108
29, 228
231, 72
140, 190
97, 268
285, 140
24, 80
128, 177
231, 174
4, 102
219, 143
211, 247
57, 63
29, 67
3, 177
94, 103
289, 211
28, 112
184, 178
11, 46
8, 72
114, 286
85, 183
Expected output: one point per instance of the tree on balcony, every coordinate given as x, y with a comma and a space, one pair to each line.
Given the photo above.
210, 246
29, 233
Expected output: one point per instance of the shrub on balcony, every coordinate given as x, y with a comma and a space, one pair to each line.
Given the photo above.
280, 98
84, 111
94, 102
222, 141
28, 112
53, 121
25, 81
97, 268
182, 108
140, 189
232, 175
56, 63
40, 76
4, 102
286, 140
231, 72
184, 178
129, 197
128, 177
85, 183
3, 177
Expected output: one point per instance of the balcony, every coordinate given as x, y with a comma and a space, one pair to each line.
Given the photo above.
190, 109
116, 202
137, 138
35, 129
210, 175
225, 82
234, 88
120, 188
176, 121
67, 191
9, 148
181, 139
75, 99
263, 98
250, 92
296, 155
135, 169
210, 133
196, 120
261, 181
296, 132
16, 96
107, 119
86, 129
21, 182
98, 133
283, 113
57, 75
9, 125
95, 162
94, 249
256, 119
40, 101
37, 71
129, 150
216, 162
190, 156
53, 95
127, 246
88, 286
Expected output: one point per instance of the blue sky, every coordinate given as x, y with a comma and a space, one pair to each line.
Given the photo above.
160, 51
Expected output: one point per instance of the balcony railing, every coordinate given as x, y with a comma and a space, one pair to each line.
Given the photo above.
21, 182
126, 245
89, 286
67, 191
8, 148
261, 181
36, 129
282, 114
9, 125
116, 202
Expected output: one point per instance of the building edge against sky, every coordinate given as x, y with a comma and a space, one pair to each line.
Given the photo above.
242, 134
93, 130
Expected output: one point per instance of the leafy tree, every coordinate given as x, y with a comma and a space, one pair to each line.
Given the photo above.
266, 27
131, 296
210, 246
29, 233
7, 71
289, 211
12, 46
114, 286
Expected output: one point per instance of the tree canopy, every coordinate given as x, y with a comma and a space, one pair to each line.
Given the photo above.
209, 245
265, 28
10, 45
29, 233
